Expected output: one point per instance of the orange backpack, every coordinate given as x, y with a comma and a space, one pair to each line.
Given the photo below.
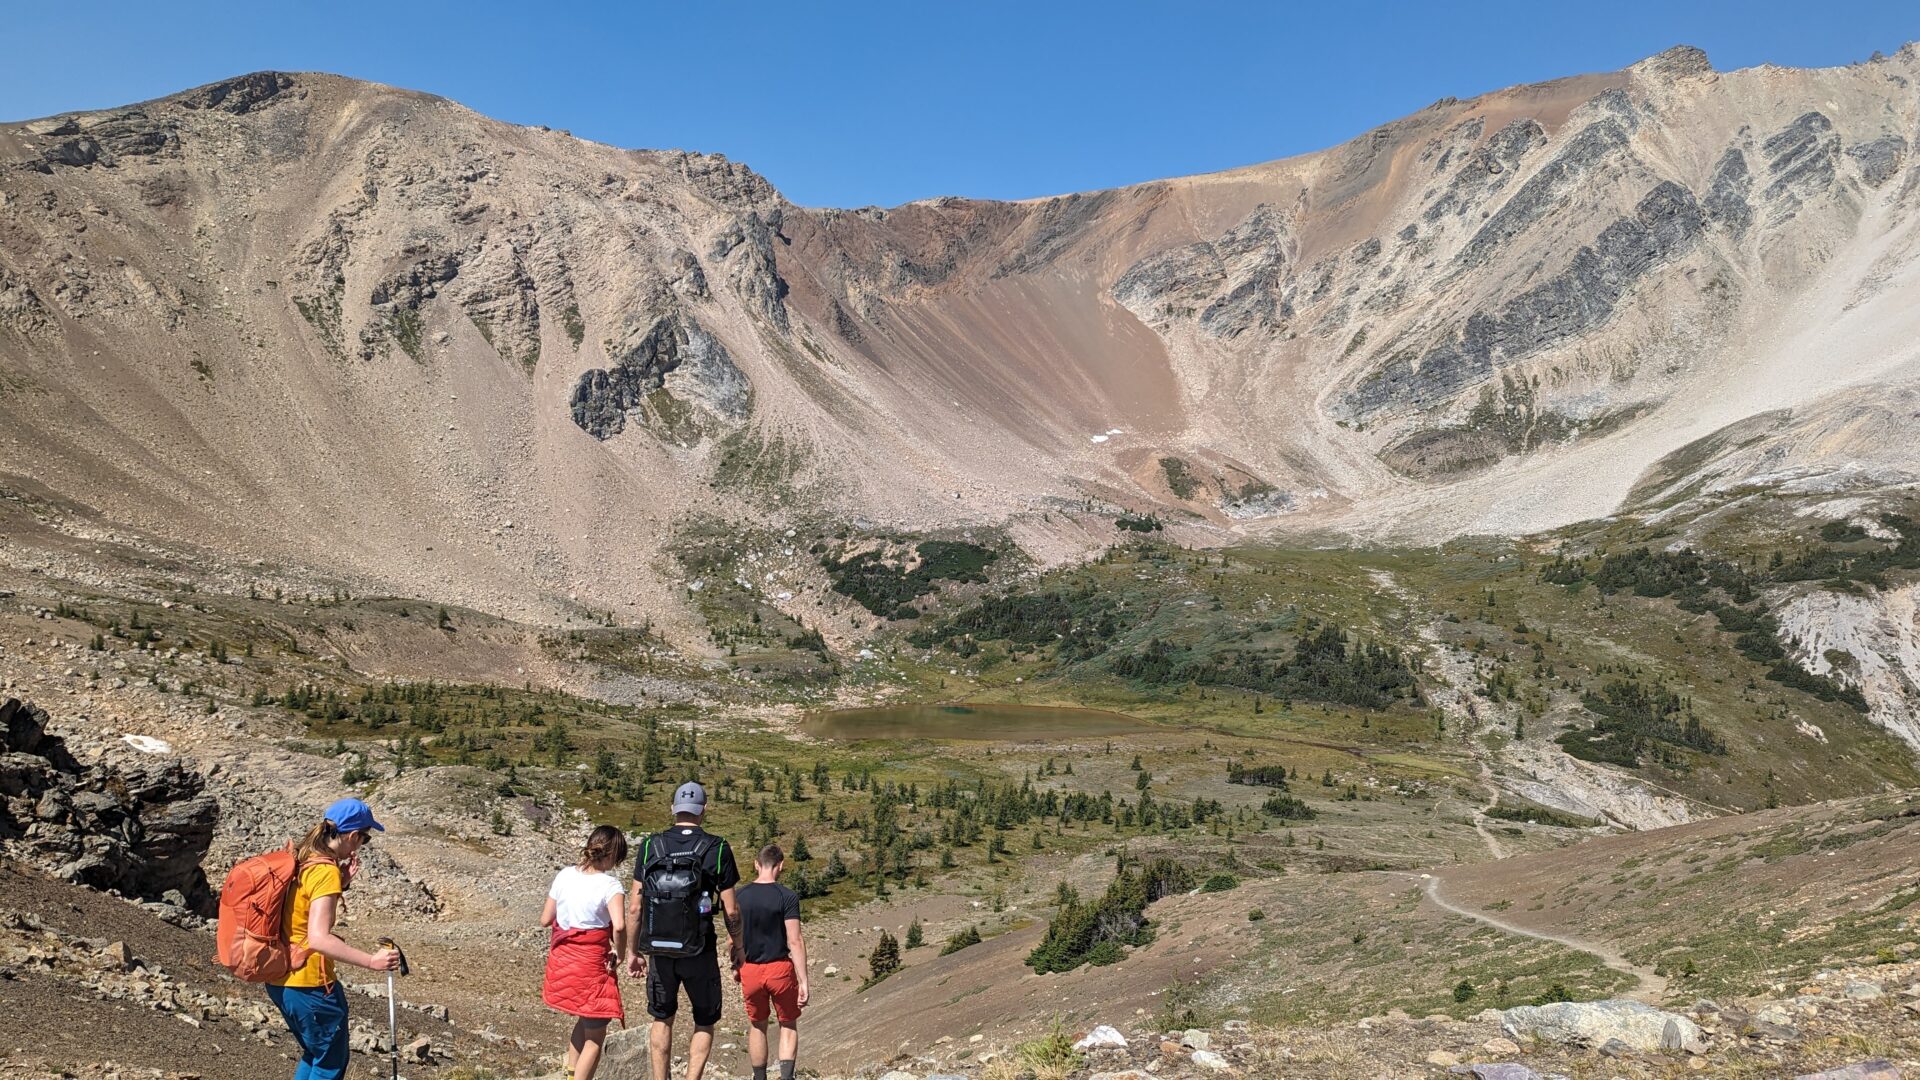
252, 934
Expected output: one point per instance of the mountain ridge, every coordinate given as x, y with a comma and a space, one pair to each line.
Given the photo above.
948, 363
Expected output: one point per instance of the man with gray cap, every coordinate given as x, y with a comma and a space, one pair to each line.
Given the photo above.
680, 878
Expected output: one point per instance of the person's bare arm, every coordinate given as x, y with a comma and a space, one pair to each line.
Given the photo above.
617, 918
636, 962
735, 946
552, 912
321, 939
797, 947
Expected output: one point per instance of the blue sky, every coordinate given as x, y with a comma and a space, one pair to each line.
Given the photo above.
847, 104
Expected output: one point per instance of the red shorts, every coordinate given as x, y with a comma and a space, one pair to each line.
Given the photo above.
775, 982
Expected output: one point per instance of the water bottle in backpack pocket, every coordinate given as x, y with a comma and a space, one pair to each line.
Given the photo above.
675, 909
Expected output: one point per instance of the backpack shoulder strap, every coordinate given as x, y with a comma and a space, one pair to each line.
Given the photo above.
652, 850
707, 856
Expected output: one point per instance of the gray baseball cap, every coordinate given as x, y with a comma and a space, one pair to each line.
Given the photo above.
691, 798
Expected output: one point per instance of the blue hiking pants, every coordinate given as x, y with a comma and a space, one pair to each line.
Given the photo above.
317, 1016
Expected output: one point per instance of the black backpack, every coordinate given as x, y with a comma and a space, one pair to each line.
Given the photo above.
671, 923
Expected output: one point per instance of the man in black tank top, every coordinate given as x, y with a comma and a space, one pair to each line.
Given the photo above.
774, 968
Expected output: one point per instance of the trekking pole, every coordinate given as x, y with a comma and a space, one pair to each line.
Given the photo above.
393, 1016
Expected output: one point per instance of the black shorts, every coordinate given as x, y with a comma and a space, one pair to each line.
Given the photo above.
699, 974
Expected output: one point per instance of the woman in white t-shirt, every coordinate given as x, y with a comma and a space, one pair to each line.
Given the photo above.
587, 914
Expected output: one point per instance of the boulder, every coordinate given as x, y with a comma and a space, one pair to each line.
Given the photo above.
1877, 1069
1207, 1059
1102, 1038
1595, 1023
1496, 1071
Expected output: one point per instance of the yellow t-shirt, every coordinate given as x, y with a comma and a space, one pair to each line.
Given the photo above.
317, 880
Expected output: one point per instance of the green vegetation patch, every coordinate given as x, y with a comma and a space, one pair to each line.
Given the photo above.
881, 586
1088, 932
1180, 479
573, 324
1702, 584
1635, 720
1539, 815
1322, 667
1082, 620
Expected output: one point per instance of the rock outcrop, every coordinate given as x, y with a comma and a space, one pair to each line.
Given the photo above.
138, 828
1577, 301
672, 349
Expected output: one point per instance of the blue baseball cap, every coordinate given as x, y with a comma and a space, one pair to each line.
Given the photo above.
352, 815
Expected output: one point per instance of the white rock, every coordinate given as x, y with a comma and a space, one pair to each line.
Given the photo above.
1102, 1038
1594, 1023
1207, 1059
147, 744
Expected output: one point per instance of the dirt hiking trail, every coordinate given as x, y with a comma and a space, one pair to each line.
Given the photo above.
1652, 986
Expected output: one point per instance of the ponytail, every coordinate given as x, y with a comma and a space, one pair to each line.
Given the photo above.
319, 842
607, 846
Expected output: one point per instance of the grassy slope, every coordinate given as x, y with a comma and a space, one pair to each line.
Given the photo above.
1412, 781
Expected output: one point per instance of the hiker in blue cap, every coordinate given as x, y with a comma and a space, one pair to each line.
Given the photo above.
681, 877
308, 997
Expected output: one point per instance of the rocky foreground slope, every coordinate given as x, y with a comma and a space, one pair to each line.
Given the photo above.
298, 318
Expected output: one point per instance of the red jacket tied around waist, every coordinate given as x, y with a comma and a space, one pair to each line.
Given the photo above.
580, 980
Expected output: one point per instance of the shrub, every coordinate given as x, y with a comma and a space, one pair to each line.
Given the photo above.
965, 938
1257, 775
1287, 808
1463, 991
885, 959
1556, 992
1052, 1051
1219, 883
